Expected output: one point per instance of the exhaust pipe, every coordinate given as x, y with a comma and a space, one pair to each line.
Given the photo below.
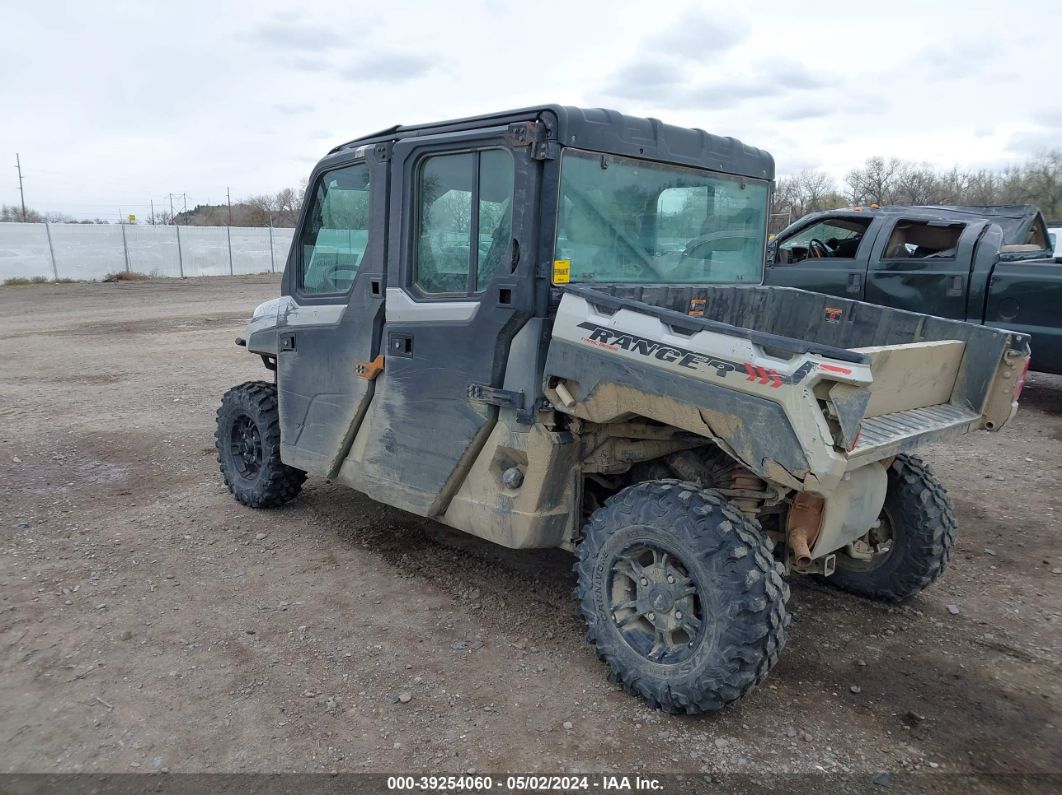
804, 523
798, 547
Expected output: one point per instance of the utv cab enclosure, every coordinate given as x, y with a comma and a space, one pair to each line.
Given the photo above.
546, 327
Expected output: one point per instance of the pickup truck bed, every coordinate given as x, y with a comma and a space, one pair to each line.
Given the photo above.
994, 268
800, 387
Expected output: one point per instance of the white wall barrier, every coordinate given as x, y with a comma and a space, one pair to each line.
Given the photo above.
91, 251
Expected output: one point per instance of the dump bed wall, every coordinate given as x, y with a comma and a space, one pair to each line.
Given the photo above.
812, 319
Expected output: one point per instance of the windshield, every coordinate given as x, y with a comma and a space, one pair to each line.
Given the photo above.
626, 220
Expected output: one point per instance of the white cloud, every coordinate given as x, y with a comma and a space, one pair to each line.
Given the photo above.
115, 104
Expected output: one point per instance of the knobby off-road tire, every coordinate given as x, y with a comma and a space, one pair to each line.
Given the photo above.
699, 557
921, 523
247, 440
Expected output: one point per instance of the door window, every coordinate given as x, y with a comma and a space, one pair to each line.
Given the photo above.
464, 220
831, 238
336, 231
922, 240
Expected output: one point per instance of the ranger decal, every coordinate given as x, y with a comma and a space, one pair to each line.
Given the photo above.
614, 339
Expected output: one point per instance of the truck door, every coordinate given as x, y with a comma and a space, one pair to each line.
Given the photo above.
924, 266
827, 256
329, 330
460, 286
1027, 297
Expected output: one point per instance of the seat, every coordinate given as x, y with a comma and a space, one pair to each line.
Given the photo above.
897, 247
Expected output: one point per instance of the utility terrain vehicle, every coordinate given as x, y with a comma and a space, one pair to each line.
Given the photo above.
546, 327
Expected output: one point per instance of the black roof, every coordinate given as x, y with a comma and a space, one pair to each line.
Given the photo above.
602, 130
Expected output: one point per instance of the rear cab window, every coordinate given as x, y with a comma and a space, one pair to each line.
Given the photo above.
623, 219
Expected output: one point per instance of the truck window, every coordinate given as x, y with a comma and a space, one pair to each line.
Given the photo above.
464, 220
336, 231
922, 239
833, 237
627, 220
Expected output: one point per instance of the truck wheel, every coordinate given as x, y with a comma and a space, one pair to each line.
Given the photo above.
681, 596
911, 547
248, 444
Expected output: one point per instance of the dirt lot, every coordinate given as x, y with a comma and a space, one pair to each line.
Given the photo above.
149, 622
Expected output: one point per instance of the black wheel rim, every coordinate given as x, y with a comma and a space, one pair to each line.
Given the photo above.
655, 603
245, 444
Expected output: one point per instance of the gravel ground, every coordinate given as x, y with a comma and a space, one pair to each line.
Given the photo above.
149, 622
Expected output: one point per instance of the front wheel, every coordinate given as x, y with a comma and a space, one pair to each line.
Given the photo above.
681, 596
247, 440
912, 544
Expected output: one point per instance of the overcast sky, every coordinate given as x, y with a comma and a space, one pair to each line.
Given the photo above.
112, 104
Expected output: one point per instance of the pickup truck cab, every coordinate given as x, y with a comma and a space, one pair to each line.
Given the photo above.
987, 265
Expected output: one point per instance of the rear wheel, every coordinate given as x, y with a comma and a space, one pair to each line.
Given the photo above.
911, 547
681, 596
247, 440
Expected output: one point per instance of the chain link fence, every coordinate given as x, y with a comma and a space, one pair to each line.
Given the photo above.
91, 251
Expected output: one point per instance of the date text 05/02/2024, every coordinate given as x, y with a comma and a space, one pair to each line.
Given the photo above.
518, 783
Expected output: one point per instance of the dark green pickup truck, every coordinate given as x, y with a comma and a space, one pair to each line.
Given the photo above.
988, 265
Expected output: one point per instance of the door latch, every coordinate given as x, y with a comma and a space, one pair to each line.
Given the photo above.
369, 370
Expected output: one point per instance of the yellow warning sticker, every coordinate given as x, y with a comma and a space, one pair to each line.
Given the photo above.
562, 271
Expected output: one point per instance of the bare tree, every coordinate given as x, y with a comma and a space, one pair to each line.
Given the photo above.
817, 191
875, 182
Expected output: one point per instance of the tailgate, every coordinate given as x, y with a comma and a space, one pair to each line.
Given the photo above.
924, 391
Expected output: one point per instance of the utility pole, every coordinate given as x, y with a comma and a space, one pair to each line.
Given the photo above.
152, 212
18, 165
228, 229
171, 209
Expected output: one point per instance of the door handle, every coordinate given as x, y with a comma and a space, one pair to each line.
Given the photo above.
855, 282
400, 345
287, 342
956, 285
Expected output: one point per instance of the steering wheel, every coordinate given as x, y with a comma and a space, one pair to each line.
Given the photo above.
816, 248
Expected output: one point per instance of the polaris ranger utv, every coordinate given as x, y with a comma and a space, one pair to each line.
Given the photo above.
546, 327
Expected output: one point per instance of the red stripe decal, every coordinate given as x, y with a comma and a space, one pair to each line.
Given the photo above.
835, 369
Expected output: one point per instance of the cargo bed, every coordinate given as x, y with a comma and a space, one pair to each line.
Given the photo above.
855, 382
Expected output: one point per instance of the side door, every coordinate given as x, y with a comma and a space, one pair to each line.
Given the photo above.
828, 256
330, 329
924, 266
459, 289
1027, 297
